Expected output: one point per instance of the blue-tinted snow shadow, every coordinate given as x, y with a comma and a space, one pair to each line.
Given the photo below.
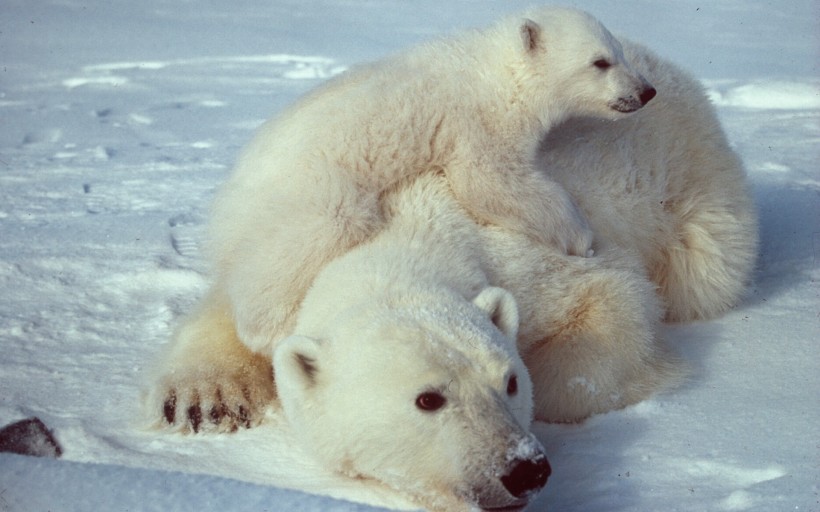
585, 457
590, 472
789, 238
36, 483
585, 461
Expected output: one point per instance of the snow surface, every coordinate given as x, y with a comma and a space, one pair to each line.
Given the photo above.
117, 121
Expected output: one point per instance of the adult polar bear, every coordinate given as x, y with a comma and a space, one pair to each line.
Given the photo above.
308, 186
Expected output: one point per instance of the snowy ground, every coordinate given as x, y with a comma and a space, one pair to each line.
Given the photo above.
117, 121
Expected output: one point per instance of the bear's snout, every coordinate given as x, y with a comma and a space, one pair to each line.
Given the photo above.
527, 476
640, 93
648, 94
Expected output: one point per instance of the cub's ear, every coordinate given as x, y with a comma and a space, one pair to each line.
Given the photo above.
531, 36
502, 309
296, 364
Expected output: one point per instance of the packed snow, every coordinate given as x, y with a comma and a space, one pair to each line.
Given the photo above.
118, 120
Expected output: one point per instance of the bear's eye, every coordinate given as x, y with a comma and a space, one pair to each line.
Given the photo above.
602, 64
430, 401
512, 385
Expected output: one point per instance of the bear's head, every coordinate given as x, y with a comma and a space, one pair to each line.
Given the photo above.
570, 65
426, 394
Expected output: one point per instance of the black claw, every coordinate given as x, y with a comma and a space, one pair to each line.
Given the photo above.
195, 417
244, 418
219, 412
216, 414
169, 408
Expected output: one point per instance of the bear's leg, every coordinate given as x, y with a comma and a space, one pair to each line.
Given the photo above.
705, 269
518, 197
595, 346
207, 380
269, 274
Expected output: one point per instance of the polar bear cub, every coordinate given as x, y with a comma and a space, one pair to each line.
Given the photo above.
665, 183
309, 185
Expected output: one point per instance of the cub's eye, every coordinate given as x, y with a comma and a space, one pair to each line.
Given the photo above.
602, 64
430, 401
512, 385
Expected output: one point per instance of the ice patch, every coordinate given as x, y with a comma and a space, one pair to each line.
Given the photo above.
119, 66
150, 281
305, 71
102, 153
297, 67
738, 500
140, 119
780, 95
526, 448
772, 167
584, 383
741, 477
212, 103
109, 80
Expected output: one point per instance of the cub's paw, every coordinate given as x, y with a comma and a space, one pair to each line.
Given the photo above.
212, 399
564, 226
572, 234
575, 239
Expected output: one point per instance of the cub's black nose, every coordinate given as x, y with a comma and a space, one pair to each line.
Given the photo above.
527, 476
647, 95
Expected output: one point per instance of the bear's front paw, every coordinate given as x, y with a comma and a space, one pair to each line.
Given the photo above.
211, 400
562, 224
574, 237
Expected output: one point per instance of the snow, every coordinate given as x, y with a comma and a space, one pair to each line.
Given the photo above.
118, 120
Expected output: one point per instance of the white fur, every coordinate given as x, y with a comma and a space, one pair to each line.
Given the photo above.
665, 183
433, 300
407, 312
309, 186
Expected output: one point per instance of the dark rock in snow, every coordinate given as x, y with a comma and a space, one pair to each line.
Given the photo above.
29, 437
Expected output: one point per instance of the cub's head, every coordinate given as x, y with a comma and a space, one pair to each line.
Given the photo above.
427, 395
568, 64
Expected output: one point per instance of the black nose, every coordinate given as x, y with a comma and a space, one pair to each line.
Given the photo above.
527, 476
647, 95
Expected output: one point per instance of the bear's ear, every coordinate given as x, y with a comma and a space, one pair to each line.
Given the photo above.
531, 35
502, 309
296, 362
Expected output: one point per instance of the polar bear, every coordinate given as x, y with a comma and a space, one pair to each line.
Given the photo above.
403, 368
422, 315
668, 199
405, 362
665, 183
675, 238
309, 185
